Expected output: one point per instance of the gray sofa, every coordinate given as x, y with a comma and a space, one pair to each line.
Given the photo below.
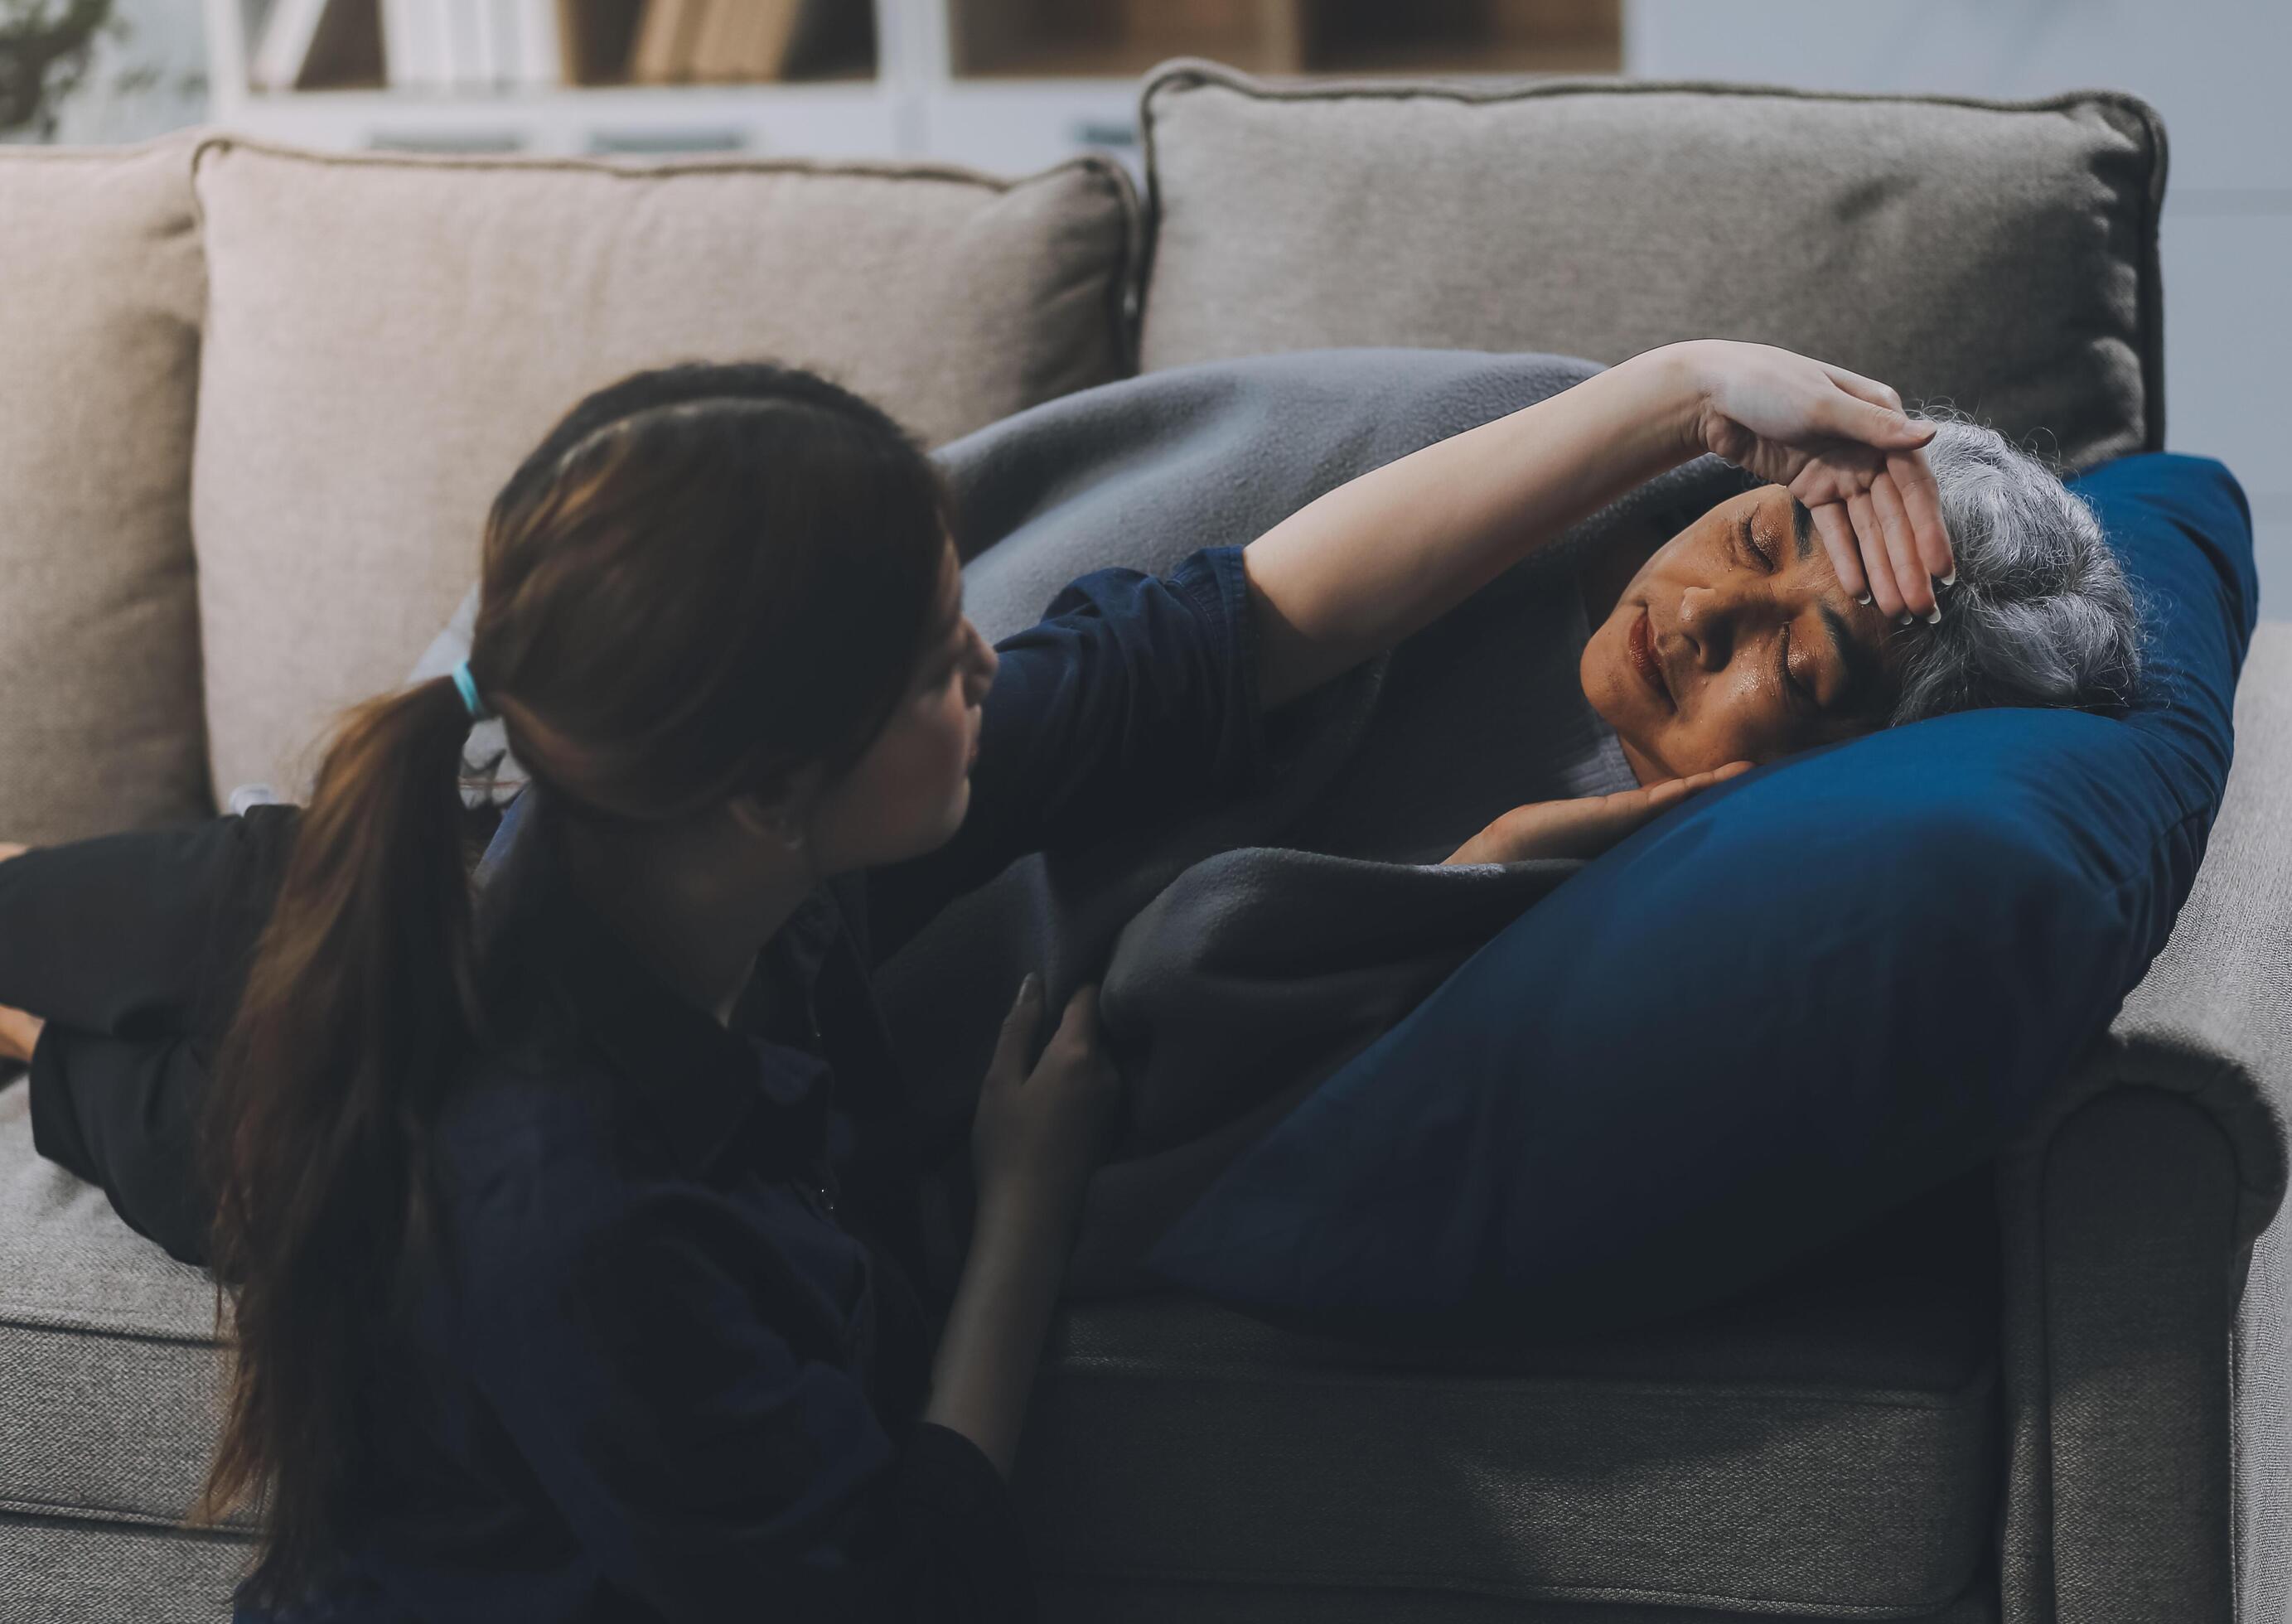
254, 400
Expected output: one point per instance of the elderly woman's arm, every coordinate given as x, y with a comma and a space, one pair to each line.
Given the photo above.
1361, 567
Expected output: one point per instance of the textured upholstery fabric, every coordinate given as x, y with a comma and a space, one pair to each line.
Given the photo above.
2260, 1380
2149, 1405
389, 335
1151, 1601
1824, 1444
2002, 255
2139, 1211
88, 1573
100, 286
109, 1390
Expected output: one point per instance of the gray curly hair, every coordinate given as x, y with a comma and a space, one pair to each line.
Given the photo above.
2042, 613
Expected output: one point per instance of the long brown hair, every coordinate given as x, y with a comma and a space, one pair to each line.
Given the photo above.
705, 578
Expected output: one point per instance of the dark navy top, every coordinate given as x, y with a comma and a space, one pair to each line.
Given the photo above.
669, 1364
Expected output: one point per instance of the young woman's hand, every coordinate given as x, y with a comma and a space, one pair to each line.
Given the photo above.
1841, 443
18, 1032
1039, 1135
1582, 828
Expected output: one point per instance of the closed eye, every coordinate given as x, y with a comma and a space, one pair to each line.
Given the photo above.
1743, 533
1791, 684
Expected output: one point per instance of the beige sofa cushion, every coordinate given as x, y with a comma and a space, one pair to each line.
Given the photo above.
2002, 255
100, 286
389, 335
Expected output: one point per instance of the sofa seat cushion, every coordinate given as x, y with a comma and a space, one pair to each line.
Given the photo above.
94, 1573
110, 1385
2000, 255
99, 378
1135, 1601
1825, 1444
389, 335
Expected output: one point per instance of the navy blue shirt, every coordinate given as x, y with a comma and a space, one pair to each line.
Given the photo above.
670, 1365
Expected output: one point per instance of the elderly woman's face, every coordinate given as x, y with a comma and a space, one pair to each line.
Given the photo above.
1756, 650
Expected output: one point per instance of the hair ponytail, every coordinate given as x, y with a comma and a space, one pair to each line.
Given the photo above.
357, 1003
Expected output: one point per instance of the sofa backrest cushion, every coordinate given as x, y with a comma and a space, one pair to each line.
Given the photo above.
2000, 255
389, 335
100, 286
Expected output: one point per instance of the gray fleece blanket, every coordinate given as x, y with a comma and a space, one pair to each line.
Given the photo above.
1237, 966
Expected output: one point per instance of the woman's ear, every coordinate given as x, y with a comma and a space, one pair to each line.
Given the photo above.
780, 811
753, 814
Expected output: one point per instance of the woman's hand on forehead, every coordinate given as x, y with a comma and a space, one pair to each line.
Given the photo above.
1842, 445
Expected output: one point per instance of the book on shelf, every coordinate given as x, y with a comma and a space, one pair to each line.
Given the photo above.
723, 34
597, 39
473, 45
285, 41
668, 32
772, 33
715, 40
470, 41
416, 43
310, 43
538, 58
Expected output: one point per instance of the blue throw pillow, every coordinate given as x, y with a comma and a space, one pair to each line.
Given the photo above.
1797, 1001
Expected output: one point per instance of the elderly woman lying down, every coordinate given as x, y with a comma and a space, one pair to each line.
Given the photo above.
1254, 974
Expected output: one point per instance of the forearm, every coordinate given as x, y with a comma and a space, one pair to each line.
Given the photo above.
993, 1338
1361, 567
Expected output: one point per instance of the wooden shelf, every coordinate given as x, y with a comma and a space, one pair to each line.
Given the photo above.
991, 39
1500, 60
1005, 85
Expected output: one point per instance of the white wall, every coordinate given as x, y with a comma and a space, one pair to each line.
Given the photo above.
2215, 70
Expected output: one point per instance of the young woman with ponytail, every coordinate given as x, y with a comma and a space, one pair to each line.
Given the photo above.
568, 1220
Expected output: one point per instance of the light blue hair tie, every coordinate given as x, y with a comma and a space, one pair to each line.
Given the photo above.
468, 684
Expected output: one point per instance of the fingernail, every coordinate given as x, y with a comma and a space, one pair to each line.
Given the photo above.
1865, 598
1951, 578
1906, 620
1935, 618
1030, 986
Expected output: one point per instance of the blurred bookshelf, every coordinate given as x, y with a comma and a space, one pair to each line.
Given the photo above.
1006, 85
1122, 38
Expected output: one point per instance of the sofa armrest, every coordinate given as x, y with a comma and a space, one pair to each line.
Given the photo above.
2144, 1286
2212, 1019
